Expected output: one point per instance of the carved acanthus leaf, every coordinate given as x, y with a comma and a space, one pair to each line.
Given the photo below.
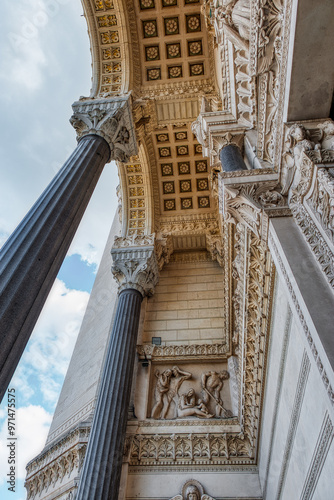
163, 249
215, 246
251, 204
135, 268
110, 119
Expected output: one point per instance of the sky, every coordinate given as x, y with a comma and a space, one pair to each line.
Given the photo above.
45, 66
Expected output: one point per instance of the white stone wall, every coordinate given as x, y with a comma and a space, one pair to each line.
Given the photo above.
187, 306
296, 458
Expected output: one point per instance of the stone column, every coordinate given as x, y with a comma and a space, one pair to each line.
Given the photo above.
32, 256
136, 270
231, 158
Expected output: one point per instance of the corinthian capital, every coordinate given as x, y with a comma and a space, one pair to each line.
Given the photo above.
135, 264
110, 119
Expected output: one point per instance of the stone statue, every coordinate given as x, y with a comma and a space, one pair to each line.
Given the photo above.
166, 389
327, 141
188, 406
298, 141
212, 384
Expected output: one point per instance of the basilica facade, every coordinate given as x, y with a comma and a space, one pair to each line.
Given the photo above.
204, 365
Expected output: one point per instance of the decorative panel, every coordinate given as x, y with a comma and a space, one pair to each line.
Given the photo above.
184, 167
173, 50
171, 25
186, 203
150, 28
175, 71
152, 53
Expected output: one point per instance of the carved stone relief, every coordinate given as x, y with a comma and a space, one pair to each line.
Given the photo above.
248, 204
192, 490
311, 187
190, 392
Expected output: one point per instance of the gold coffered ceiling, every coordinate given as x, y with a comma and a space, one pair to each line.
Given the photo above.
173, 40
182, 171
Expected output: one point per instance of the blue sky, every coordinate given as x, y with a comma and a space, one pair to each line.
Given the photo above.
45, 66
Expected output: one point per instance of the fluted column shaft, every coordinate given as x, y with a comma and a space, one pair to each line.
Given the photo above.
32, 256
101, 472
231, 158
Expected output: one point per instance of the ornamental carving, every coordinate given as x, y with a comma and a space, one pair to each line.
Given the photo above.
110, 119
135, 268
61, 462
251, 204
311, 193
298, 141
192, 490
189, 449
170, 401
191, 224
321, 201
181, 352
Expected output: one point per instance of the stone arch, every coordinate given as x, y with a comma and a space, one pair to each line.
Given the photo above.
108, 23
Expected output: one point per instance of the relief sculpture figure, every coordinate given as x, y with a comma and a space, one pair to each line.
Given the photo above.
212, 384
192, 490
161, 390
188, 406
166, 389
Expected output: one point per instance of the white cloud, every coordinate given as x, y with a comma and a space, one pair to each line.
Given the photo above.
24, 57
48, 352
32, 425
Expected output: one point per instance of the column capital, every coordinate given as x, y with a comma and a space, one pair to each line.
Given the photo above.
110, 119
135, 264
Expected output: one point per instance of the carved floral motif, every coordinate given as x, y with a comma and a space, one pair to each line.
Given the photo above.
110, 119
135, 268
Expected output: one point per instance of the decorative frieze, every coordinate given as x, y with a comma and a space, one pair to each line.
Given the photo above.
110, 119
48, 471
181, 352
189, 449
190, 224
